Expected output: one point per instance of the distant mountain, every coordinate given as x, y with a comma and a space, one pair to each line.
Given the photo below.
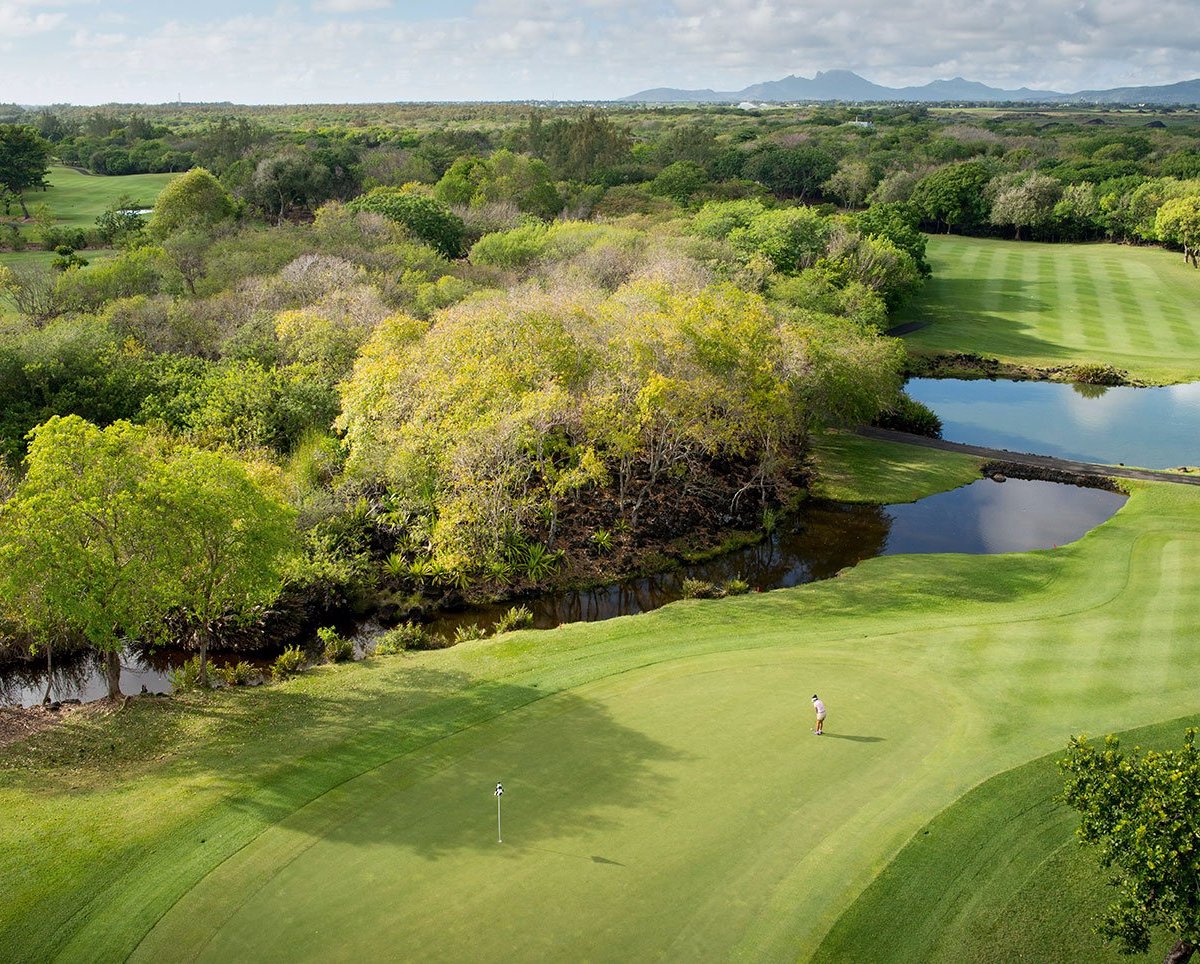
845, 85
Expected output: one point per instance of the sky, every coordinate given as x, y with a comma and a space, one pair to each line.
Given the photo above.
332, 51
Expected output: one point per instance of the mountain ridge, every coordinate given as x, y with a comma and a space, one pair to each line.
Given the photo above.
846, 85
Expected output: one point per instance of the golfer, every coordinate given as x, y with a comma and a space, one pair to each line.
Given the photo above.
820, 708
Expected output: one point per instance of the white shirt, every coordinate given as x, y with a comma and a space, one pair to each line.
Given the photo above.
819, 707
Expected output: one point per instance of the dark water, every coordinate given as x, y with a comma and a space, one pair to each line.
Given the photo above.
1154, 428
983, 517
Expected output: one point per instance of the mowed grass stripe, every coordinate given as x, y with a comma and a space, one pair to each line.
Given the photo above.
1131, 307
997, 877
668, 799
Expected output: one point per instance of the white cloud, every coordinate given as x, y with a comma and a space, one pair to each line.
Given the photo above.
350, 6
510, 49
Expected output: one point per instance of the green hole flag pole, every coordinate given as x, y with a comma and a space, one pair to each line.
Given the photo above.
499, 794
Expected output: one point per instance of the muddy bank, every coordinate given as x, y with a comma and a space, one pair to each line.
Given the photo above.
967, 365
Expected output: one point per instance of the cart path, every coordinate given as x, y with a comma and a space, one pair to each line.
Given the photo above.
1047, 462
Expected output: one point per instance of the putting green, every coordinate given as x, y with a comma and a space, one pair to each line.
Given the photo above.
664, 794
1046, 305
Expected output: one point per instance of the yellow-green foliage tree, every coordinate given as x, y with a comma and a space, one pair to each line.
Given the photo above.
491, 418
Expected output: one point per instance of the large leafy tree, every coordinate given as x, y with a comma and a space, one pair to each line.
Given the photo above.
195, 201
428, 219
24, 160
1141, 810
954, 195
1178, 222
226, 539
114, 535
77, 538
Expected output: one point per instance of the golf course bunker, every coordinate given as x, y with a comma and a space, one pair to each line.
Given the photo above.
1154, 428
659, 813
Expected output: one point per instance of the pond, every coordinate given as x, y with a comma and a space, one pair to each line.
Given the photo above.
1155, 428
820, 540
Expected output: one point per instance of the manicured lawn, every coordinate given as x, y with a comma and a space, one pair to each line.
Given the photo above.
1047, 305
851, 468
17, 259
664, 794
76, 200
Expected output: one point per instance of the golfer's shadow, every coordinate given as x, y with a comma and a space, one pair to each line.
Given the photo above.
854, 739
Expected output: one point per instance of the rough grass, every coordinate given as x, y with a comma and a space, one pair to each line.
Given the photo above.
850, 468
76, 200
665, 797
1047, 305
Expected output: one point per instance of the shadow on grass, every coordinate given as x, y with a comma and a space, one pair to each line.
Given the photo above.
855, 739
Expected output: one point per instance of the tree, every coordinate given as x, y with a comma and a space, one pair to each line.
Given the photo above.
1025, 201
1178, 222
900, 223
24, 160
113, 534
225, 541
795, 172
851, 183
76, 540
792, 238
680, 181
1142, 812
428, 219
193, 201
953, 195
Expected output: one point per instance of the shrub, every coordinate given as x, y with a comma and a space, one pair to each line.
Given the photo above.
512, 249
186, 676
290, 662
408, 635
737, 586
700, 589
1096, 374
909, 415
464, 634
519, 617
602, 539
335, 647
240, 673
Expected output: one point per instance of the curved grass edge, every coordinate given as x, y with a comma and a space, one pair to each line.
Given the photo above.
996, 876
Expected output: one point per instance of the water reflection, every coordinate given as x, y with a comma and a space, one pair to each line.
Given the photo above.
1150, 427
984, 517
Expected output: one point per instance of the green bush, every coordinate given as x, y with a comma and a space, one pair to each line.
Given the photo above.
240, 673
737, 586
464, 634
519, 617
700, 589
513, 249
291, 662
909, 415
408, 635
186, 676
1096, 374
426, 218
335, 647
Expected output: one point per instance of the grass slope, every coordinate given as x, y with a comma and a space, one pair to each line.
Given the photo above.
1046, 305
76, 200
665, 796
851, 468
999, 876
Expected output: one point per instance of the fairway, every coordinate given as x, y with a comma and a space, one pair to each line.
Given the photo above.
664, 794
1047, 305
76, 199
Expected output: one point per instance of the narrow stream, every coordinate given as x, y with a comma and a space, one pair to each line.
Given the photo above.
825, 537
